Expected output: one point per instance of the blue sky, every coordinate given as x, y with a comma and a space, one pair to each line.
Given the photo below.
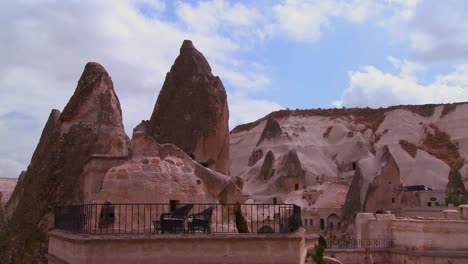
269, 54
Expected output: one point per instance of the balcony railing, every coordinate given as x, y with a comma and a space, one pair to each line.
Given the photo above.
152, 218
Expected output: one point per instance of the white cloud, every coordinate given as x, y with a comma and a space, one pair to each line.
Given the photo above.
459, 77
435, 30
375, 88
210, 16
45, 45
247, 109
305, 20
10, 168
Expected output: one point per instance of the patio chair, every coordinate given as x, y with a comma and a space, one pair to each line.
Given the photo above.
201, 221
175, 221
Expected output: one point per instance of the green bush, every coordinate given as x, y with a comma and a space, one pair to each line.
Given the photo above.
318, 255
455, 198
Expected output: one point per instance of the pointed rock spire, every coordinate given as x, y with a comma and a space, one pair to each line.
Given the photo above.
291, 165
272, 129
90, 124
94, 99
192, 111
267, 167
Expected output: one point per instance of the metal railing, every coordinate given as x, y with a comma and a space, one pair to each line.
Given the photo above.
361, 243
146, 218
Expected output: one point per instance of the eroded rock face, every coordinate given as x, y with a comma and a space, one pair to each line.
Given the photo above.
192, 112
385, 190
91, 124
266, 172
256, 156
272, 130
376, 185
291, 165
162, 173
353, 203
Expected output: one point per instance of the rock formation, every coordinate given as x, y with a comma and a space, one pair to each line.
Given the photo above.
272, 130
90, 124
192, 112
84, 155
385, 189
159, 173
358, 159
256, 156
266, 172
291, 165
353, 203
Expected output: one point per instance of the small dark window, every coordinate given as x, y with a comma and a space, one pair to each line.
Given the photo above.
275, 200
306, 222
437, 204
311, 222
331, 225
354, 165
393, 200
296, 186
389, 182
429, 204
322, 224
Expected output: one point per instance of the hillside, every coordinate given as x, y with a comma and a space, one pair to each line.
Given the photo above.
333, 146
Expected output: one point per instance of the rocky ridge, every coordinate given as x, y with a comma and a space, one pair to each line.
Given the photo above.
357, 150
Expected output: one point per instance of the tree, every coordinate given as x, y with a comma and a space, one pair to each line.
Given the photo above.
455, 198
319, 251
318, 255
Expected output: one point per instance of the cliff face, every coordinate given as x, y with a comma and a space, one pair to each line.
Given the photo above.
91, 123
192, 112
366, 151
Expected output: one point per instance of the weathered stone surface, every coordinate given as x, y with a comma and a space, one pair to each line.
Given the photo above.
267, 167
291, 165
192, 112
256, 156
169, 174
90, 124
272, 130
353, 203
385, 190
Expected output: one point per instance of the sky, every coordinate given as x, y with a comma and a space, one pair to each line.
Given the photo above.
269, 54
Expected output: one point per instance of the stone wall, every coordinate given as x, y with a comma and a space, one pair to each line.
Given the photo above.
311, 219
215, 248
391, 256
94, 171
291, 183
424, 234
358, 255
370, 226
415, 240
435, 212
